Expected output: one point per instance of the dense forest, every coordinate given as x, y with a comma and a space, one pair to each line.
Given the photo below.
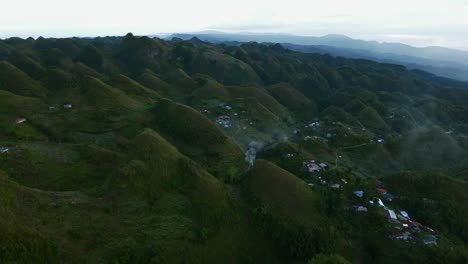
141, 150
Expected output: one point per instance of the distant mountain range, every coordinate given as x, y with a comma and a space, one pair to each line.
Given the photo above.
441, 61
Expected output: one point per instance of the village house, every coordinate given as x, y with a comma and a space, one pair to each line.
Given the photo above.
359, 208
20, 120
312, 125
382, 191
359, 193
225, 106
379, 202
404, 214
4, 150
391, 214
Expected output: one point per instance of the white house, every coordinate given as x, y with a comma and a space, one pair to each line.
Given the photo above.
20, 120
404, 214
4, 149
392, 214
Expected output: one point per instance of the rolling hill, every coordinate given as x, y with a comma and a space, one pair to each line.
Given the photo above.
139, 150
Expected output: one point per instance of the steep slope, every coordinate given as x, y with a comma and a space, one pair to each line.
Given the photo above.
289, 211
197, 137
14, 80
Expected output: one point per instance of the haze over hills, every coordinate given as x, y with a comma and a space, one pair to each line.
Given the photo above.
441, 61
134, 149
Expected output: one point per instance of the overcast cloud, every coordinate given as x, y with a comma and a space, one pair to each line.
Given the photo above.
415, 22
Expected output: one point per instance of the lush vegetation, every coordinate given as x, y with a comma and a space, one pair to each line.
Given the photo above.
137, 150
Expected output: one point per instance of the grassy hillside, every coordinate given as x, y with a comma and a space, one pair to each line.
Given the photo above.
16, 81
141, 150
200, 139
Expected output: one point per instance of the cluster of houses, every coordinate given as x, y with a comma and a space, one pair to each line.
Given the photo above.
20, 120
224, 121
312, 125
409, 230
402, 221
312, 167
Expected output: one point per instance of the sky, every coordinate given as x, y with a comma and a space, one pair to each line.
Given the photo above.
415, 22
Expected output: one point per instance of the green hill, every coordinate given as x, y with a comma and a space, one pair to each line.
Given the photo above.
142, 150
197, 137
134, 89
14, 80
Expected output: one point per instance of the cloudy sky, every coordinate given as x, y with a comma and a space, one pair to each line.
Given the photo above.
415, 22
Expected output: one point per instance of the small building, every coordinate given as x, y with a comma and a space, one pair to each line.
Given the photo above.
430, 230
335, 186
359, 193
67, 106
391, 214
20, 120
4, 150
323, 165
225, 106
360, 208
404, 214
380, 202
344, 181
429, 240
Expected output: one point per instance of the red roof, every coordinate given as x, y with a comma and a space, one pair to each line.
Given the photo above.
382, 190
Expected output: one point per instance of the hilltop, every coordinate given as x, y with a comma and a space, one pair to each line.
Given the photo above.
446, 62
